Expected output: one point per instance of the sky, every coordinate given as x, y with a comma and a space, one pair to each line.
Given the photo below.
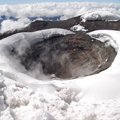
37, 1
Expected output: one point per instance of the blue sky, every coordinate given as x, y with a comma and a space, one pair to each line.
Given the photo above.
34, 1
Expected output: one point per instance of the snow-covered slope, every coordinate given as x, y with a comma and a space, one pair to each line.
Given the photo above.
94, 97
100, 15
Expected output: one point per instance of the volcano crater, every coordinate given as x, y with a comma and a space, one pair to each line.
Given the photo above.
65, 57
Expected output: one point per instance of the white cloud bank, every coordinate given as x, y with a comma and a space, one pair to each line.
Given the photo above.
56, 9
7, 25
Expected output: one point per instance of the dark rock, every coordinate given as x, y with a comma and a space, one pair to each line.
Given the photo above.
101, 25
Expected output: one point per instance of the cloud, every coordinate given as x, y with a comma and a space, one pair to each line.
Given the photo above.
68, 9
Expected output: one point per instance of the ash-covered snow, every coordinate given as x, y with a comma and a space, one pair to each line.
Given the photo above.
94, 97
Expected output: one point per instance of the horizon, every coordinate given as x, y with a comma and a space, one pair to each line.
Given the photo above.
41, 1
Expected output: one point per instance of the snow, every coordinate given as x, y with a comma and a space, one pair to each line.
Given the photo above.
100, 15
26, 38
105, 39
78, 28
2, 96
94, 97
